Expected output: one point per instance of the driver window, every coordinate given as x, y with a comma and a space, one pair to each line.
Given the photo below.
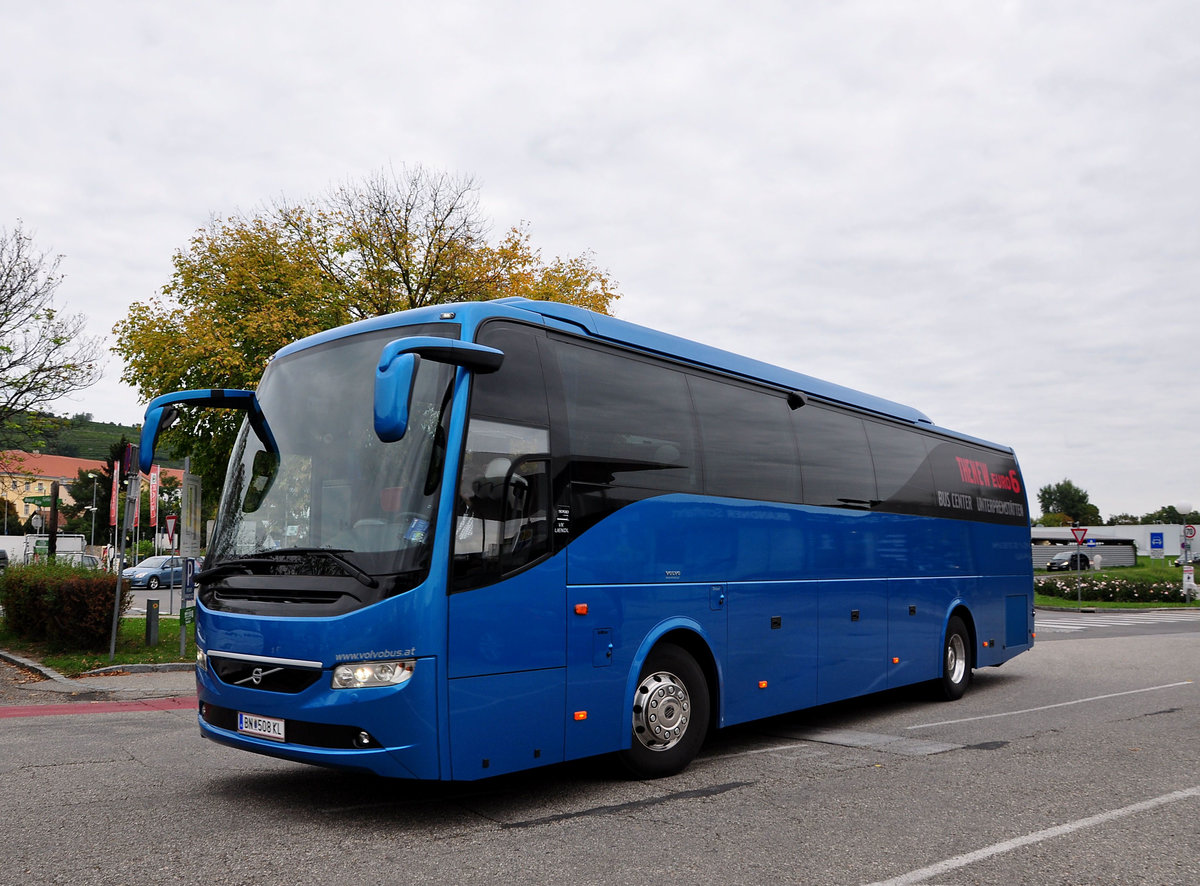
501, 515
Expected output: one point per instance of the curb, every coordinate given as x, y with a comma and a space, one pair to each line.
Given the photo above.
1087, 608
141, 668
51, 674
35, 666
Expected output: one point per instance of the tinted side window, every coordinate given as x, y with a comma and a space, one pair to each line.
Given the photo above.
749, 450
502, 511
835, 460
516, 391
902, 473
629, 422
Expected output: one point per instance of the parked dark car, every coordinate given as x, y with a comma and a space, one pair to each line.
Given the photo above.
1069, 560
155, 572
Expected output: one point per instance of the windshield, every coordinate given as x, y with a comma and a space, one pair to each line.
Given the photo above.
334, 499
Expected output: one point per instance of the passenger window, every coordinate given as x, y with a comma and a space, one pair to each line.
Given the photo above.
835, 460
902, 472
749, 450
516, 392
630, 422
501, 517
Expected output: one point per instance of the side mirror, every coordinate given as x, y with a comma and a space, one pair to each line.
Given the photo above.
263, 471
393, 396
397, 369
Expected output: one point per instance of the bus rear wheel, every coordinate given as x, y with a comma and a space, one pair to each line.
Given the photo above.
956, 660
670, 714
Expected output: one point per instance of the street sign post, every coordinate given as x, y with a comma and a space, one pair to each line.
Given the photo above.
187, 604
1189, 572
131, 500
1080, 533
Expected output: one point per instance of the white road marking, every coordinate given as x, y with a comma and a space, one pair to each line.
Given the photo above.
1047, 707
1065, 622
961, 861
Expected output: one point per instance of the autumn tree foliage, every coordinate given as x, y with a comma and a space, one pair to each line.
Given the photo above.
246, 286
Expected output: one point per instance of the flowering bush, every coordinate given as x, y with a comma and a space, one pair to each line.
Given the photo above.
1101, 588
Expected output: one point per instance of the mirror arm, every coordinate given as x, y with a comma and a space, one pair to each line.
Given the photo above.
162, 412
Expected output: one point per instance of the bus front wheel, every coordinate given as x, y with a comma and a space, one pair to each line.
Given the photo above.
670, 714
956, 660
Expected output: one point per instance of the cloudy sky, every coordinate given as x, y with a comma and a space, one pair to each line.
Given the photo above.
986, 210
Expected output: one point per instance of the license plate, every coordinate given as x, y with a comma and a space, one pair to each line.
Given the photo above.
263, 727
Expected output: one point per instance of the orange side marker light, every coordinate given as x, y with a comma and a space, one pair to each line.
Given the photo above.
581, 609
581, 715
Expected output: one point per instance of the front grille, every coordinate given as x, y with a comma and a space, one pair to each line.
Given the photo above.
315, 735
262, 675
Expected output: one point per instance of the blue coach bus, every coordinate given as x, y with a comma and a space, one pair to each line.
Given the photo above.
466, 540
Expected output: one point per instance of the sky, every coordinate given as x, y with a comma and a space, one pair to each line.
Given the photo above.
989, 211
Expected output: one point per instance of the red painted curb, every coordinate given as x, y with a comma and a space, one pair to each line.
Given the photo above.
175, 703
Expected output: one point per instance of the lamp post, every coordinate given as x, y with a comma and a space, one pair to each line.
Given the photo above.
1185, 550
93, 477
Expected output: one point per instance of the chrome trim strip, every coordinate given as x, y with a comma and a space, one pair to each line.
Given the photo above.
266, 659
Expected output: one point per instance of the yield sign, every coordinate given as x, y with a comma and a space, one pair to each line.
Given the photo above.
172, 519
1080, 533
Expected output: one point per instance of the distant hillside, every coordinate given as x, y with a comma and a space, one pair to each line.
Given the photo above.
80, 437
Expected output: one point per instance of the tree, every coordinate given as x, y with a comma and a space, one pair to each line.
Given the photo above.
44, 354
241, 291
1171, 515
245, 287
1068, 499
397, 241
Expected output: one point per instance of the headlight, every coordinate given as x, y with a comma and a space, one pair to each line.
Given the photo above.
201, 660
372, 673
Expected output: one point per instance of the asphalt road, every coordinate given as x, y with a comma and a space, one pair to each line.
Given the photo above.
1077, 763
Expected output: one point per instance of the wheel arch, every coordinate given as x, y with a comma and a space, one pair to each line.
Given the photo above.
692, 639
960, 609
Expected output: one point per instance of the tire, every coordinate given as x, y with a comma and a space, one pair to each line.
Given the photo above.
152, 583
670, 711
956, 660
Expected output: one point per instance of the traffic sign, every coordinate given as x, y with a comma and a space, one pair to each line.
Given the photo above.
1080, 533
1189, 531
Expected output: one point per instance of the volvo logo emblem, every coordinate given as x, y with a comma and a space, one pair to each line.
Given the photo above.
256, 676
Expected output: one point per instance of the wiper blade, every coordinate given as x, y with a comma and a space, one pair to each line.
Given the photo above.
334, 554
220, 569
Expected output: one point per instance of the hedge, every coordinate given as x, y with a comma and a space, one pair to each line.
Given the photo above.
66, 607
1101, 588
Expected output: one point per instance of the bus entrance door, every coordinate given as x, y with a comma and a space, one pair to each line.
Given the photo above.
506, 665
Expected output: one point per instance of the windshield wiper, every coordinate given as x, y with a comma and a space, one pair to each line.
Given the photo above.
267, 558
220, 569
334, 554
